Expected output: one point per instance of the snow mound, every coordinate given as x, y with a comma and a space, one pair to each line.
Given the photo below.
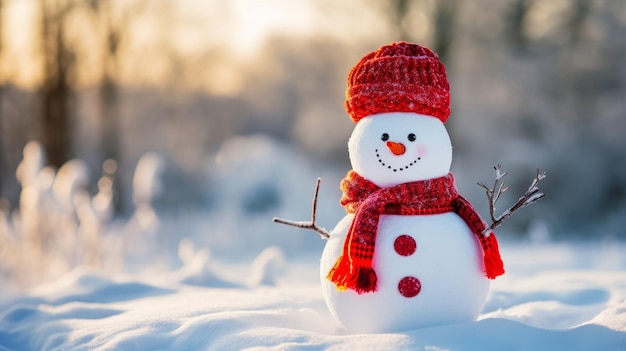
198, 269
569, 305
267, 267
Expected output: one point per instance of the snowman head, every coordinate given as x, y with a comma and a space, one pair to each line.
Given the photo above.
400, 147
399, 96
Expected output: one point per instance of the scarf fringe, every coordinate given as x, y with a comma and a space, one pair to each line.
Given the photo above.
492, 260
361, 279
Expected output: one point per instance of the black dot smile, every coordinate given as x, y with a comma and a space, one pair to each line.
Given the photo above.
396, 169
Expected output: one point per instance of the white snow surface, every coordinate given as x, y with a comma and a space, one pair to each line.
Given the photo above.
553, 297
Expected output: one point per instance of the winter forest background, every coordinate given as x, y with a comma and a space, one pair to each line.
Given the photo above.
219, 115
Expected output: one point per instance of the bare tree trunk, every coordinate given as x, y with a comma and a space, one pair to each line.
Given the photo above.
444, 12
55, 123
110, 132
56, 92
577, 22
445, 25
2, 137
109, 95
399, 12
516, 34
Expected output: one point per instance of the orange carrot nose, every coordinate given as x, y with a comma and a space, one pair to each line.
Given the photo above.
396, 148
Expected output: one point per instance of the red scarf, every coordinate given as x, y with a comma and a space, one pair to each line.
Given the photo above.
353, 270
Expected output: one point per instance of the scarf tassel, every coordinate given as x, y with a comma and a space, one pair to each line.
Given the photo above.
361, 279
492, 260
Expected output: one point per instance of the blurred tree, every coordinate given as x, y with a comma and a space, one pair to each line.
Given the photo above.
399, 11
2, 162
112, 31
109, 92
515, 23
577, 21
58, 59
445, 27
443, 17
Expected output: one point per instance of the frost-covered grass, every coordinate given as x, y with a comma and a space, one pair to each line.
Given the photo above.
58, 224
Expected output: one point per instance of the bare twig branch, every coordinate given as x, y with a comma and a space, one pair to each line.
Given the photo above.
531, 196
310, 224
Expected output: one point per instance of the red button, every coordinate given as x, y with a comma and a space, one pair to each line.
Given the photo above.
405, 245
409, 286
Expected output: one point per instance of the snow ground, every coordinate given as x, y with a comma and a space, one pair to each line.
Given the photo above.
554, 296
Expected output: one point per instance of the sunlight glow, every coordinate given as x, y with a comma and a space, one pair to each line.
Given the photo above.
20, 64
191, 44
254, 20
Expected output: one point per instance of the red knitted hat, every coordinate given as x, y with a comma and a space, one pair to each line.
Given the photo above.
400, 77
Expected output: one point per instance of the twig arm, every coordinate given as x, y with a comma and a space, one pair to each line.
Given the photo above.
308, 224
531, 196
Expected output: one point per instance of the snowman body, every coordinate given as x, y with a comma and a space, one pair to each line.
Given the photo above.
429, 267
438, 282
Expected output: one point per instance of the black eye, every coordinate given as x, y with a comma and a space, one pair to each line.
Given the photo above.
411, 137
384, 137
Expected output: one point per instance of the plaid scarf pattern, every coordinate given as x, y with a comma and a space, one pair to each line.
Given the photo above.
354, 270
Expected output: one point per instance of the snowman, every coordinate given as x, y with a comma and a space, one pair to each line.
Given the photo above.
411, 252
